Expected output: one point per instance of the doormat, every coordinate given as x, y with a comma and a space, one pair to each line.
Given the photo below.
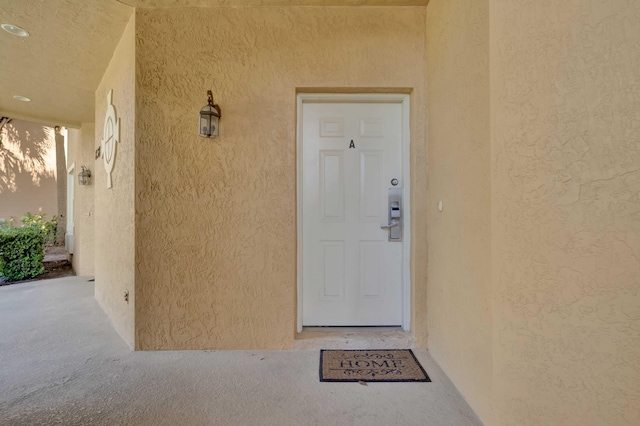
371, 365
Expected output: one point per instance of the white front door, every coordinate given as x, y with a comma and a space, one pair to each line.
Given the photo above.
351, 157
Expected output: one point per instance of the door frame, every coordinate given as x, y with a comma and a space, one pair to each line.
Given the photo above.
71, 193
393, 98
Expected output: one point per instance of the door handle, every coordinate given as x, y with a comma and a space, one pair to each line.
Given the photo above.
391, 224
394, 223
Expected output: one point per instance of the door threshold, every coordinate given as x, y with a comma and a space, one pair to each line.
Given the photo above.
313, 338
350, 329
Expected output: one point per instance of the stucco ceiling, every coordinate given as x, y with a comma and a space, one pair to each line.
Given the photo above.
61, 63
71, 42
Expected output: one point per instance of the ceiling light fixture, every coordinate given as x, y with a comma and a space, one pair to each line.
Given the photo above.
22, 98
17, 31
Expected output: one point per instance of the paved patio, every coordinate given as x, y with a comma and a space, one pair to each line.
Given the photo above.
61, 362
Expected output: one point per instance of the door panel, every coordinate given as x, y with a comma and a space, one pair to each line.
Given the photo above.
333, 270
371, 258
351, 273
332, 185
371, 174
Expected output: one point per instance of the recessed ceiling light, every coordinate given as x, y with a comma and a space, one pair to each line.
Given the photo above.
17, 31
21, 98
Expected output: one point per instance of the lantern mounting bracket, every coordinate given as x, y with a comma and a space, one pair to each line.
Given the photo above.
210, 102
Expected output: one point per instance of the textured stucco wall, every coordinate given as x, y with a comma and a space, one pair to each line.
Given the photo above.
216, 219
114, 208
82, 152
27, 170
565, 85
459, 271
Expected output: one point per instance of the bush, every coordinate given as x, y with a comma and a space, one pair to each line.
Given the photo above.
10, 223
21, 253
49, 229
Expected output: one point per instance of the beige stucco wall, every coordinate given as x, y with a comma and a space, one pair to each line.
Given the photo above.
27, 170
566, 212
216, 219
81, 152
549, 333
114, 207
459, 289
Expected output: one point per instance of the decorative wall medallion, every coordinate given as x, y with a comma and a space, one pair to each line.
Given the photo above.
110, 138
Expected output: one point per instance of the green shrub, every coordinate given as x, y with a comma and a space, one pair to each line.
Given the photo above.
7, 223
21, 253
49, 228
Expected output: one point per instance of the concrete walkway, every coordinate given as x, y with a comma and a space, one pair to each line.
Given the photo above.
61, 362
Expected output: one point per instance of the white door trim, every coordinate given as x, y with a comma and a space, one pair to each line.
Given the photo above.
406, 162
69, 238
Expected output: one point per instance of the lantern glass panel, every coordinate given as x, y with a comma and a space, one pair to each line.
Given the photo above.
214, 126
205, 125
208, 126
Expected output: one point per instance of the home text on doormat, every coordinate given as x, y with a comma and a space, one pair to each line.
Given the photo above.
371, 365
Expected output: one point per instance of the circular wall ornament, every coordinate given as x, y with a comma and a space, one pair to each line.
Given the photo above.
110, 137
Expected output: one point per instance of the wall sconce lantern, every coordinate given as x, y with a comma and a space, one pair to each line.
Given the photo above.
209, 118
84, 177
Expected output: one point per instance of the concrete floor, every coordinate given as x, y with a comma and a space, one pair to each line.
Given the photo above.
61, 362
